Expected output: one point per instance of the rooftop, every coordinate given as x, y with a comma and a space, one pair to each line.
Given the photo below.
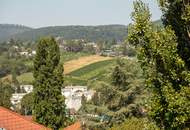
75, 126
13, 121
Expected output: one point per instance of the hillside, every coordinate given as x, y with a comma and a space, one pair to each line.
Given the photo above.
93, 33
9, 30
81, 62
69, 66
97, 71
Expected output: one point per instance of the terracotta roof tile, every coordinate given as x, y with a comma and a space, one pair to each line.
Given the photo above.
13, 121
75, 126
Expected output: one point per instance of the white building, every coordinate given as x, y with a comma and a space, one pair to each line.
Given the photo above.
33, 52
16, 98
24, 53
73, 95
88, 94
73, 102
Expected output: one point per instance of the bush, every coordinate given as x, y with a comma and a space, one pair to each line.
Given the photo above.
136, 124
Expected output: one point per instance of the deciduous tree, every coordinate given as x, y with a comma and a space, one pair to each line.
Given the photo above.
166, 73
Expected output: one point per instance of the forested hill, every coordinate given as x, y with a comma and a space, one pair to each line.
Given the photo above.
9, 30
92, 33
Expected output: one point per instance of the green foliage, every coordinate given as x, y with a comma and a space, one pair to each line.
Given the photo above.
27, 103
15, 81
89, 49
135, 124
26, 78
72, 80
5, 94
67, 56
8, 30
120, 103
118, 78
83, 102
7, 65
49, 104
73, 46
176, 14
93, 33
128, 50
94, 71
166, 74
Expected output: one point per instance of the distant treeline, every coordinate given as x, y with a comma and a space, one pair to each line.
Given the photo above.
92, 33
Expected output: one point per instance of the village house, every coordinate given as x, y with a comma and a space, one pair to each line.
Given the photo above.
16, 99
73, 96
27, 53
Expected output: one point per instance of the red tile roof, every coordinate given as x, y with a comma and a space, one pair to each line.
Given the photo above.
75, 126
13, 121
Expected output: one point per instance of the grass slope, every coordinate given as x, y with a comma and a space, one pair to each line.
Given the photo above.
81, 62
78, 61
93, 71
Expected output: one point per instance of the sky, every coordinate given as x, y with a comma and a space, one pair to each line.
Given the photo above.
41, 13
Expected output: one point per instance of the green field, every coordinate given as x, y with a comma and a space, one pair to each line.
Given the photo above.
95, 71
70, 80
67, 56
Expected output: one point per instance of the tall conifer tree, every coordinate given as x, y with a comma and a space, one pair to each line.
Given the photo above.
49, 104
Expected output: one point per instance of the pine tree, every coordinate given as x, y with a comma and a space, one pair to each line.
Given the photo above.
49, 104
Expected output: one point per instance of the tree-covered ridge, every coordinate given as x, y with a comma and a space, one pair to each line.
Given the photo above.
92, 33
8, 30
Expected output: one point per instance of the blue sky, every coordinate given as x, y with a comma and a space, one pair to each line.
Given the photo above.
41, 13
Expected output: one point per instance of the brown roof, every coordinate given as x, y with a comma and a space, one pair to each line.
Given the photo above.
75, 126
13, 121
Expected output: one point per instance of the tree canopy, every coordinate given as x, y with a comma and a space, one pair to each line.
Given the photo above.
165, 71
